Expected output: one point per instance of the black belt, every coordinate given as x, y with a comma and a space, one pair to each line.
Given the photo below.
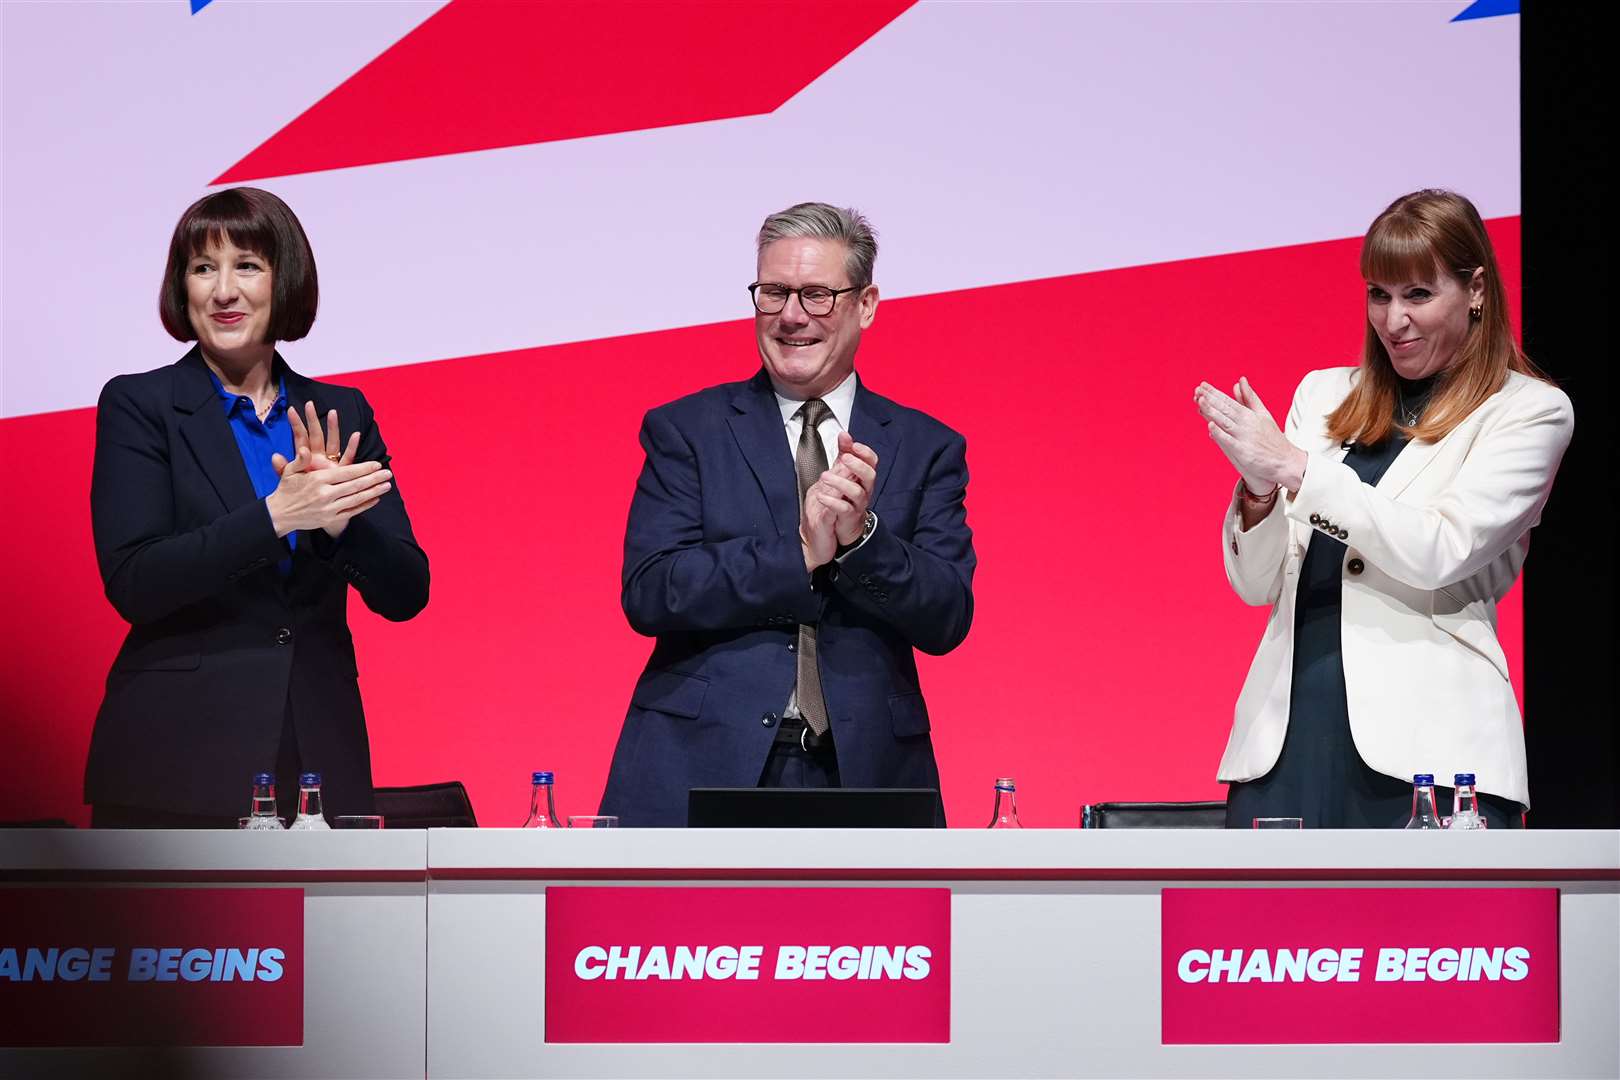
793, 731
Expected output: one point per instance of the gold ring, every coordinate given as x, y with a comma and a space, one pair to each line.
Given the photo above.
334, 457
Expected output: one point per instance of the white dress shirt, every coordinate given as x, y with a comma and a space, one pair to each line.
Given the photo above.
840, 399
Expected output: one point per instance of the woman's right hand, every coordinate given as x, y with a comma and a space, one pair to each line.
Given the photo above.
1242, 427
324, 498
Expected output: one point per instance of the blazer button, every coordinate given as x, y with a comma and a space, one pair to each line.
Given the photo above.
1316, 519
1355, 566
793, 646
768, 719
283, 636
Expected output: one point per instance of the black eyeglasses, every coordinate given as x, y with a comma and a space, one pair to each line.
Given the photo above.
770, 298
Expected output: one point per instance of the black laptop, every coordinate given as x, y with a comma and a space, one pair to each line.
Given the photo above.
811, 808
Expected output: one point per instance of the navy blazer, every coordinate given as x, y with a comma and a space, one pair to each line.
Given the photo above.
219, 643
713, 568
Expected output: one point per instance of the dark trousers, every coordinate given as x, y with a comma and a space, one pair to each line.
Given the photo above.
792, 765
119, 816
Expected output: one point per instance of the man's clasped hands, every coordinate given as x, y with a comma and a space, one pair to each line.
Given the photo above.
835, 505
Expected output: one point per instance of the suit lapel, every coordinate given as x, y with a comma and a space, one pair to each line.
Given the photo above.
869, 423
208, 433
1414, 458
756, 424
298, 391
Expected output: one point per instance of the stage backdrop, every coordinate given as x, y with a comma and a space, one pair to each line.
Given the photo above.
535, 221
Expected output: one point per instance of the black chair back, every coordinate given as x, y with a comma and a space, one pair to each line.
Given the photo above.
1154, 815
426, 806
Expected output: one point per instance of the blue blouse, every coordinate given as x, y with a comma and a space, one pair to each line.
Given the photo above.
257, 440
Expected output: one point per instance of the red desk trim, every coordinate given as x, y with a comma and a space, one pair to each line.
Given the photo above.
206, 877
616, 873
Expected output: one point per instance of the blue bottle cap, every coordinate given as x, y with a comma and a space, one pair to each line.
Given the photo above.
309, 779
1424, 779
1465, 778
262, 778
543, 778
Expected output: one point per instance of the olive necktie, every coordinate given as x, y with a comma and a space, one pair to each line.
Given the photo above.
810, 462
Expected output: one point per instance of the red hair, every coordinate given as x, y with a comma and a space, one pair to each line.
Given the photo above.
1417, 237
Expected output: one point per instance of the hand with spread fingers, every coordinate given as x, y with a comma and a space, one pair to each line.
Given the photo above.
324, 498
1243, 428
322, 450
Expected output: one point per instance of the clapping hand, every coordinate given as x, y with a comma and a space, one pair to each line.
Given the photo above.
326, 449
1243, 428
835, 505
854, 477
322, 486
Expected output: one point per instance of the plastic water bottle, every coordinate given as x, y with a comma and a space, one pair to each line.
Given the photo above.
310, 818
264, 817
1465, 813
1423, 811
1005, 814
542, 804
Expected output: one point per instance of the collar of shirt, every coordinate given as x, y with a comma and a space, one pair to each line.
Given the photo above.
233, 402
840, 399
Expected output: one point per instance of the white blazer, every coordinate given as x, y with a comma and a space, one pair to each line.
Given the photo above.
1431, 550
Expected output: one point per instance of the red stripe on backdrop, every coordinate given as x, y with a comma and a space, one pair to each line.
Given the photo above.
476, 76
1106, 650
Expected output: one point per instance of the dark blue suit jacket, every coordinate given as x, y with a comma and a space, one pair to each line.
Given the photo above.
714, 570
220, 645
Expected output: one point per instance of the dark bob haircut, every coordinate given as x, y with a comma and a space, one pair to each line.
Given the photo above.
255, 221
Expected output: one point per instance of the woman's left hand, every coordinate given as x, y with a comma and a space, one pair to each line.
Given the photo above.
1243, 428
326, 449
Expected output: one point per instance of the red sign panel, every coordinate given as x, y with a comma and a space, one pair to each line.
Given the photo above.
151, 967
756, 965
1360, 965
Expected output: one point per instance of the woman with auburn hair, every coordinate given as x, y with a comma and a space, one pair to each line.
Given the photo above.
229, 527
1382, 526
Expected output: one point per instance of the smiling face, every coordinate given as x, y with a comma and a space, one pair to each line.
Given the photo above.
1422, 324
808, 355
228, 293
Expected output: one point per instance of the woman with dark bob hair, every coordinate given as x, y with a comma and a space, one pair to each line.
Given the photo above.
1382, 526
229, 525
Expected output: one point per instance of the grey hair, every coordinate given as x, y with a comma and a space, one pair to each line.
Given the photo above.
819, 221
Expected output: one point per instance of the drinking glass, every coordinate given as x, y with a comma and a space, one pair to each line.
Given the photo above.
1279, 823
358, 821
592, 821
246, 823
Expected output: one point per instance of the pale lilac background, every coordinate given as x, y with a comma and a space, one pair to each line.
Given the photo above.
989, 142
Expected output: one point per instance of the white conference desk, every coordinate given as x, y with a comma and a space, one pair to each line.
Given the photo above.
424, 949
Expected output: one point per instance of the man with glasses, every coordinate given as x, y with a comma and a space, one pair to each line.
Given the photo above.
793, 538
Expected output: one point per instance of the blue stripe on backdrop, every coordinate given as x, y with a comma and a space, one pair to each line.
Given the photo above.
1479, 9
